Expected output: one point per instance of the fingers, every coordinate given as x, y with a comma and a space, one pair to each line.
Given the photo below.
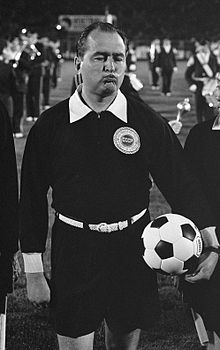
40, 306
195, 277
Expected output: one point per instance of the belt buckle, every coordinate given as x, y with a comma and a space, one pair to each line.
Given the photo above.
103, 227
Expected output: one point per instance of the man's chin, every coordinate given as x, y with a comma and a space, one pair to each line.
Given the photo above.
110, 89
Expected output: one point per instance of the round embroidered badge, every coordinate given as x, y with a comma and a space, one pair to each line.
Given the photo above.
126, 140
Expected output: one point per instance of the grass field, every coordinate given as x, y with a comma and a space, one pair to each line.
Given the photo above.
29, 328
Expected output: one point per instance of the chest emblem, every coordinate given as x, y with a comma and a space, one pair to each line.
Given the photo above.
126, 140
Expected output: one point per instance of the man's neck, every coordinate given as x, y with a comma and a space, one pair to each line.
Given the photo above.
97, 103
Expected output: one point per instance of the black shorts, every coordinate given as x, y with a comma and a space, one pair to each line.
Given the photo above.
98, 276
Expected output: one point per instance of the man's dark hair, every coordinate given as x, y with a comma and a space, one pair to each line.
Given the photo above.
203, 42
81, 45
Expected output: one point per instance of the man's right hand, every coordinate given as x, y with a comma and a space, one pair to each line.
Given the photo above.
38, 290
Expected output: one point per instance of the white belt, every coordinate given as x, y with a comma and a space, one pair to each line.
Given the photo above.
103, 226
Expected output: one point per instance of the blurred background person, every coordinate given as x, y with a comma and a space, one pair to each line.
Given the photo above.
34, 78
7, 78
202, 67
20, 61
57, 63
166, 65
48, 66
131, 85
8, 206
131, 58
152, 56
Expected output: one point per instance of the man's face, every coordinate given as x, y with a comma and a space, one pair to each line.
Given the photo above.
104, 63
204, 48
166, 42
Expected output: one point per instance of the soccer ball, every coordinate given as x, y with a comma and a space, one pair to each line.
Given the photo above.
172, 244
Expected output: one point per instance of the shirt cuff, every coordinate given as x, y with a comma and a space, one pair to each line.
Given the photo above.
32, 262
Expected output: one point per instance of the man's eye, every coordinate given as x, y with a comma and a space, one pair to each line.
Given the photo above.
119, 59
99, 58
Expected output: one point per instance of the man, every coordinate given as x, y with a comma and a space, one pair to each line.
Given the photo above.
20, 60
35, 77
96, 150
201, 67
166, 65
8, 205
152, 56
7, 79
47, 71
202, 149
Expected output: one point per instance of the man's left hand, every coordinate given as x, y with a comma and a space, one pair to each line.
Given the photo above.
207, 260
205, 269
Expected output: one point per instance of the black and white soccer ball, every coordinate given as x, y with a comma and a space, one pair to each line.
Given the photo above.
172, 244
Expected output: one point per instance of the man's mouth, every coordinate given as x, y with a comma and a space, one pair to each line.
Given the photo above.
110, 79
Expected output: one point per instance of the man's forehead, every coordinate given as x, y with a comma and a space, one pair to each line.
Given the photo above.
105, 41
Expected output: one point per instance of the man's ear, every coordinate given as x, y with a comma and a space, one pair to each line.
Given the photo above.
77, 63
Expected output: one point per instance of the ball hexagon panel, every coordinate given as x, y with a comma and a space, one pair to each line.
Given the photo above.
170, 232
183, 249
173, 266
151, 236
188, 231
164, 249
152, 259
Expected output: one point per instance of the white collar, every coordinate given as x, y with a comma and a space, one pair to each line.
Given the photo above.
216, 124
78, 109
167, 48
203, 57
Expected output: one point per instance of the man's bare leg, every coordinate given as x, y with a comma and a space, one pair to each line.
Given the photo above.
214, 343
81, 343
121, 341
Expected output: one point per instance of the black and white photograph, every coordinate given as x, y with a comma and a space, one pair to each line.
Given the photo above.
109, 175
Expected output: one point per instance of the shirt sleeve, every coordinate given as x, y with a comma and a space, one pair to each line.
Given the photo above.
189, 72
32, 262
176, 181
8, 188
195, 154
34, 189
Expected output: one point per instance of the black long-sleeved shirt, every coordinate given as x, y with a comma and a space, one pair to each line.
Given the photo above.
7, 79
202, 149
8, 202
92, 180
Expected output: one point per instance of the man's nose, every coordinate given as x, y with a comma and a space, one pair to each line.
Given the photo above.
110, 64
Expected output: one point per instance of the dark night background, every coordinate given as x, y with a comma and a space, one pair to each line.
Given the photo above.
141, 19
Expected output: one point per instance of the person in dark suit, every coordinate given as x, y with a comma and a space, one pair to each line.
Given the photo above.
202, 149
8, 205
201, 67
21, 63
7, 80
166, 65
152, 56
35, 78
48, 66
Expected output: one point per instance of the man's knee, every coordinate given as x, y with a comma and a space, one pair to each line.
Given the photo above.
81, 343
116, 340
